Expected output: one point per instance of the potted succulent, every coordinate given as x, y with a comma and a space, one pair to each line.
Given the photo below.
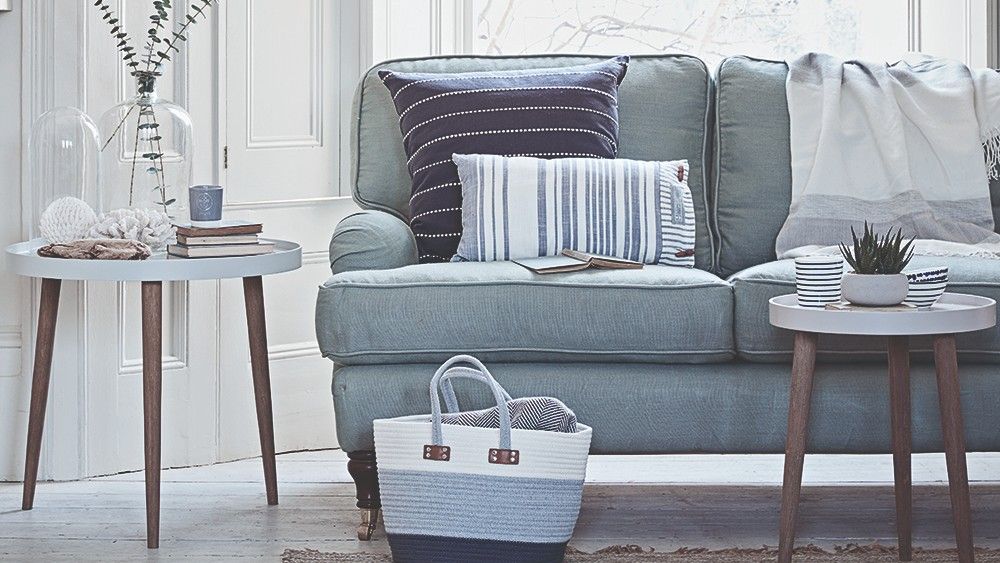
878, 261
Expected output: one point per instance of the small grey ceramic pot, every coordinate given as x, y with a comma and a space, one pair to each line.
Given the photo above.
206, 204
874, 290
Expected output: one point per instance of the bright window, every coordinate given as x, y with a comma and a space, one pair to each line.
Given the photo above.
710, 29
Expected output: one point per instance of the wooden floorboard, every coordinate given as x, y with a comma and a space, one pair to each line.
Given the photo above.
219, 512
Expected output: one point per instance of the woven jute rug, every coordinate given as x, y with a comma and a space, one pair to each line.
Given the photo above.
634, 553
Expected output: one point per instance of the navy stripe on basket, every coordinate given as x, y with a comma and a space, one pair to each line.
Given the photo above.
408, 548
546, 113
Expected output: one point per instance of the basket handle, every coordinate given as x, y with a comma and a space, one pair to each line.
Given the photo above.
498, 394
450, 400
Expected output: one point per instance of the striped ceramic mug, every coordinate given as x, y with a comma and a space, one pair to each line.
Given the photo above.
817, 280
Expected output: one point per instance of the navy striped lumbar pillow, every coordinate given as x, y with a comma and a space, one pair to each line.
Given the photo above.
544, 113
517, 207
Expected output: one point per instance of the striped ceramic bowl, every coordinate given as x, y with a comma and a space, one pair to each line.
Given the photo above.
926, 286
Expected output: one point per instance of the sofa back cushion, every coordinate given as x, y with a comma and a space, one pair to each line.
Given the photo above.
753, 176
752, 162
664, 114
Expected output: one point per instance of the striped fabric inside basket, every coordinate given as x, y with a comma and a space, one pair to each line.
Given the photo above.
527, 413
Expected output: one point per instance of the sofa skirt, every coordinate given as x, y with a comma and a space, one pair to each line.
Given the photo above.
734, 407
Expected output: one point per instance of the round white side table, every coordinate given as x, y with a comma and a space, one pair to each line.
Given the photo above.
953, 313
22, 259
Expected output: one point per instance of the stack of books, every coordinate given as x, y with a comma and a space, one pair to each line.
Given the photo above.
228, 238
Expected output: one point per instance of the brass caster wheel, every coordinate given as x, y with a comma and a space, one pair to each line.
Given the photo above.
369, 521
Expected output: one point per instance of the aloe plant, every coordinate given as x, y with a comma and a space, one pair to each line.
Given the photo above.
875, 254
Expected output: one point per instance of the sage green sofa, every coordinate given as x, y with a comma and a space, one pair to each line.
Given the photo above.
658, 360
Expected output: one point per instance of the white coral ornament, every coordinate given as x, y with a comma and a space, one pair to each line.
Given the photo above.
148, 226
66, 219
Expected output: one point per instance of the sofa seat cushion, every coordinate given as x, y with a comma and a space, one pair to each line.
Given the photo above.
757, 340
500, 311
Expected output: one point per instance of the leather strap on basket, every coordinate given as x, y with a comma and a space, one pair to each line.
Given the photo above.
504, 457
437, 453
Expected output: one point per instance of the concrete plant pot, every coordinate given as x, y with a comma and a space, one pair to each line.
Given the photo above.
874, 290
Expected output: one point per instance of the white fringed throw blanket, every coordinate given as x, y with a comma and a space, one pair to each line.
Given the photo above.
912, 144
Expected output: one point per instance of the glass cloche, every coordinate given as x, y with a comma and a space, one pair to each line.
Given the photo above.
64, 175
146, 149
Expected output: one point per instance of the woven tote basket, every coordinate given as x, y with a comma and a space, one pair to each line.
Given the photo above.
466, 494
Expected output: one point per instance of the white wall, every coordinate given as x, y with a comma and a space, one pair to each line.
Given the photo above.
13, 400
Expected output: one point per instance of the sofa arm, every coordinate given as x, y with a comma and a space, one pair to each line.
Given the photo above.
371, 240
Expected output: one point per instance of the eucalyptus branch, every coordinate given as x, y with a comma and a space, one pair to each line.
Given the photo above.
153, 33
135, 150
118, 32
118, 127
178, 35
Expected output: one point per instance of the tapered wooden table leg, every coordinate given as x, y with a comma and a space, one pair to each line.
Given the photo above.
253, 294
47, 309
152, 372
952, 430
803, 367
899, 399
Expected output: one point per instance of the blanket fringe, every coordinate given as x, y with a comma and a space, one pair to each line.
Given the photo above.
991, 150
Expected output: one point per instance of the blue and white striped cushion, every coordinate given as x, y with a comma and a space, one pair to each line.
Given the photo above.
519, 207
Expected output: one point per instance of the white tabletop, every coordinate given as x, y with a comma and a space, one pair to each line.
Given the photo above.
954, 312
23, 259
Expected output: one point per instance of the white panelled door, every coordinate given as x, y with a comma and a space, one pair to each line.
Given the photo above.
284, 102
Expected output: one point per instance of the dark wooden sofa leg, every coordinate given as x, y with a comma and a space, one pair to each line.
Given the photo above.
361, 465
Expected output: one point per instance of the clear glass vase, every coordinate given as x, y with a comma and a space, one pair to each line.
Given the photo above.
146, 150
64, 171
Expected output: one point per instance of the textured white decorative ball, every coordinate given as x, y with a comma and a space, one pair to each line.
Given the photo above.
148, 226
66, 219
